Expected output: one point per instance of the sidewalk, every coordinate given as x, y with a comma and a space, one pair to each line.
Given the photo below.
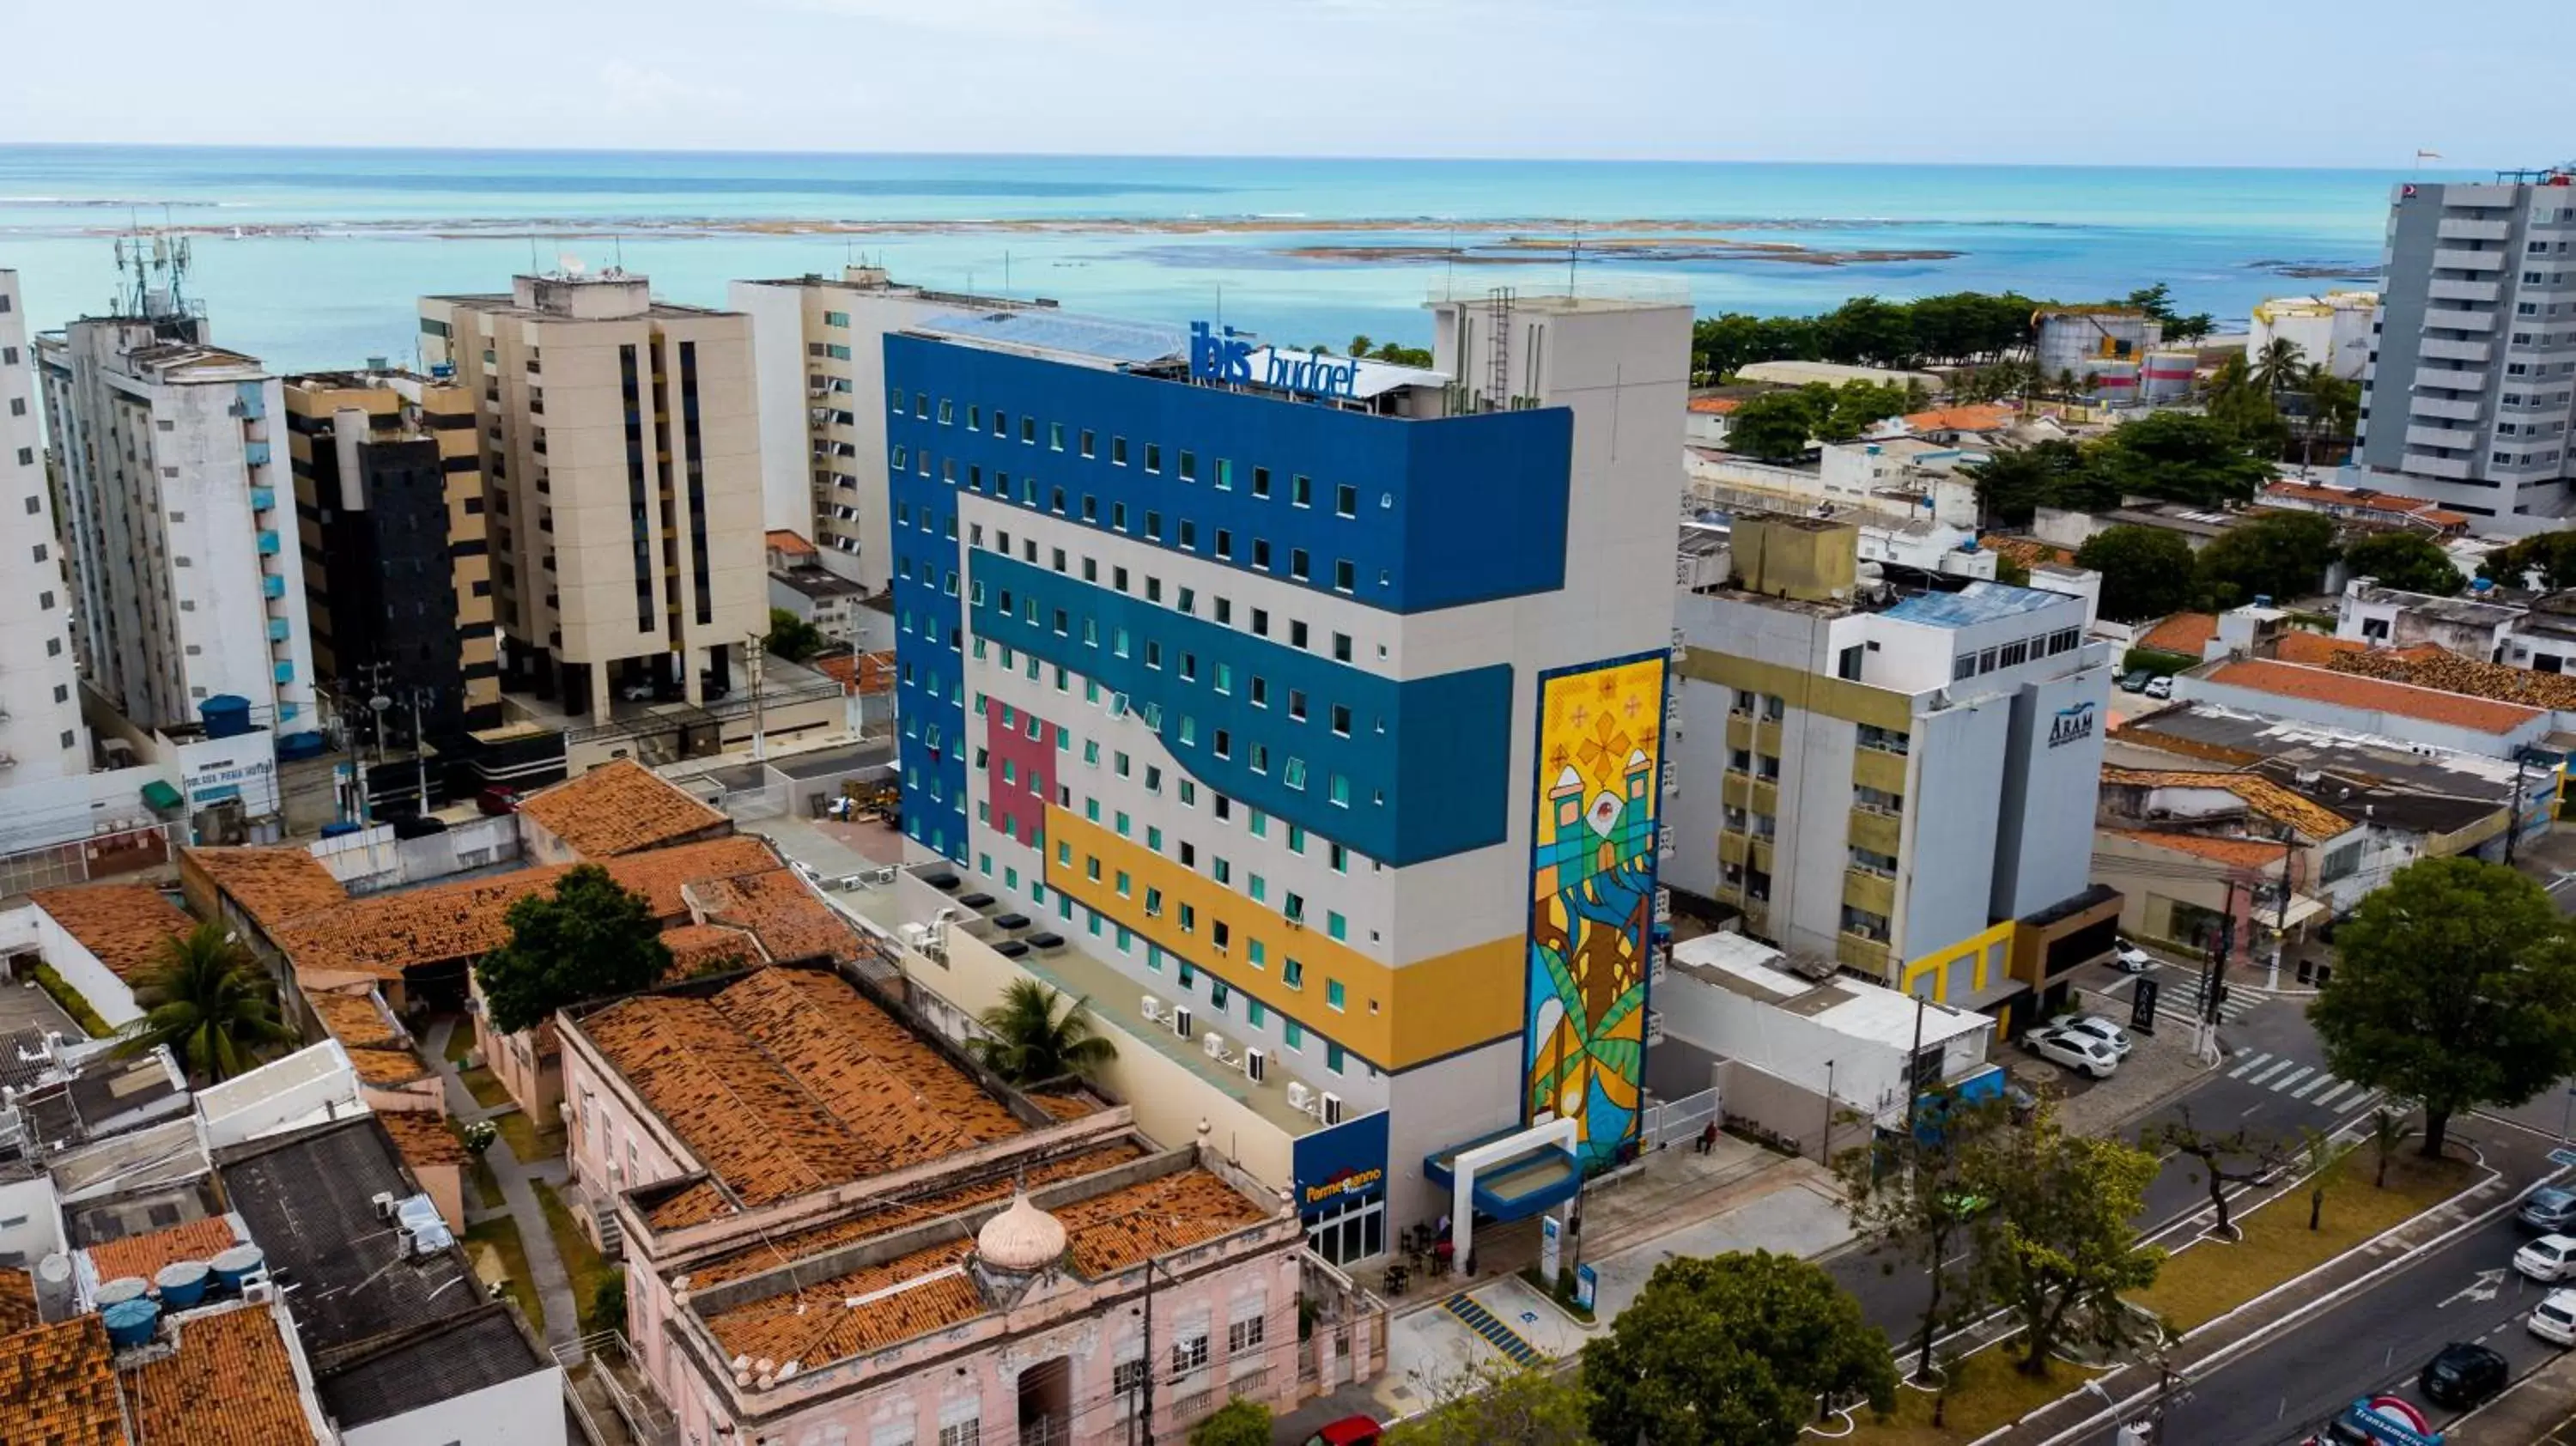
2535, 1413
545, 1266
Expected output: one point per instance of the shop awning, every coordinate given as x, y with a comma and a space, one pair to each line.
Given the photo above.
1516, 1187
158, 794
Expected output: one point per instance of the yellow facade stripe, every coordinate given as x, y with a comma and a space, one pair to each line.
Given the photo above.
1938, 962
1394, 1017
1834, 697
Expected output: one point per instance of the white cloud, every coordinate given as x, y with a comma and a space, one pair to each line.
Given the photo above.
998, 21
632, 89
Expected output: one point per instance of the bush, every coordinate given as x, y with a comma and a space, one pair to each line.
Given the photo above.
608, 1302
62, 993
2156, 661
1237, 1423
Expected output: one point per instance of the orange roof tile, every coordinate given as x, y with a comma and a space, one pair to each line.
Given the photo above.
2273, 800
376, 1048
621, 807
17, 1302
783, 539
2429, 665
2314, 650
792, 923
2347, 690
707, 948
1108, 1233
2184, 633
123, 924
230, 1383
58, 1387
423, 1138
2242, 853
1976, 417
272, 884
1715, 406
142, 1256
2028, 551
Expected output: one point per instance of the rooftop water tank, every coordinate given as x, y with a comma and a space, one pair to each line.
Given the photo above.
121, 1290
236, 1265
130, 1323
227, 715
182, 1283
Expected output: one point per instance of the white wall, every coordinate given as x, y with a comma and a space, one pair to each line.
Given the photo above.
778, 381
82, 970
31, 1223
525, 1412
35, 611
1793, 1047
312, 1085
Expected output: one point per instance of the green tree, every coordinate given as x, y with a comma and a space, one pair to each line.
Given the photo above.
2178, 457
2388, 1129
2551, 554
2146, 571
2184, 330
2407, 561
1906, 1194
588, 939
608, 1302
2015, 482
1732, 1351
2055, 1247
2221, 1158
2156, 301
2332, 409
1773, 427
1495, 1403
2279, 555
1238, 1422
207, 999
2012, 570
1030, 1042
2454, 985
1855, 407
791, 637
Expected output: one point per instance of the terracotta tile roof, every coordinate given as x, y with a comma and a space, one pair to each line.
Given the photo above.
869, 673
791, 921
423, 1138
2272, 800
231, 1383
272, 884
789, 1081
707, 948
2028, 551
817, 1324
17, 1302
123, 924
2388, 502
1977, 417
620, 808
142, 1256
1715, 406
2314, 650
376, 1048
1066, 1107
58, 1387
1108, 1233
2241, 853
386, 933
2346, 690
2429, 665
868, 1224
2184, 633
786, 540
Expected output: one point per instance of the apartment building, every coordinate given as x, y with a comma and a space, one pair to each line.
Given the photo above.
2472, 384
1320, 702
622, 464
179, 511
42, 737
1902, 787
389, 505
818, 346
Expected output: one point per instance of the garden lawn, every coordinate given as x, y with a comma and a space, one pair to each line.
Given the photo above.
528, 1144
1988, 1392
587, 1267
460, 1042
2211, 1278
498, 1255
485, 1087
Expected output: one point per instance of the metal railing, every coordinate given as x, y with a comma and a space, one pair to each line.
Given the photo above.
598, 1359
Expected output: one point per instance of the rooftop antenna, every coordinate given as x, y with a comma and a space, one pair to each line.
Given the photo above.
535, 267
1006, 273
617, 239
1573, 257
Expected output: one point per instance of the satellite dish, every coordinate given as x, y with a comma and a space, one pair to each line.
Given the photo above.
571, 264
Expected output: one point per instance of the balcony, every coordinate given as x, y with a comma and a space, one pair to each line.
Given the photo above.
1733, 847
268, 543
1859, 951
1876, 830
1875, 768
2425, 465
1869, 891
2449, 379
2450, 320
2448, 410
1739, 732
2440, 437
2464, 291
262, 498
1766, 737
272, 587
286, 672
2462, 351
2451, 260
2457, 230
277, 630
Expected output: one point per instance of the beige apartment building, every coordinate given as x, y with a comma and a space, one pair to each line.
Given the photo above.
621, 454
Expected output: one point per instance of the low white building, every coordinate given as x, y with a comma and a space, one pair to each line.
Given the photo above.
2332, 331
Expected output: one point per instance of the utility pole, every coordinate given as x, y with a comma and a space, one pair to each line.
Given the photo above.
1825, 1143
2214, 980
2513, 830
755, 648
2281, 929
419, 753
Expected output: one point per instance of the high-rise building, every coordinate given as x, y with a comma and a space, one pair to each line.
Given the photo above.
1324, 699
819, 345
622, 459
41, 733
1903, 786
390, 509
189, 592
2472, 385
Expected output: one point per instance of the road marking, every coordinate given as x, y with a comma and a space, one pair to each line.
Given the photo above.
2275, 1069
2328, 1097
2287, 1080
2481, 1290
2362, 1102
2239, 1071
2302, 1091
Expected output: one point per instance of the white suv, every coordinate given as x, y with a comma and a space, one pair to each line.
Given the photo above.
2097, 1027
2083, 1053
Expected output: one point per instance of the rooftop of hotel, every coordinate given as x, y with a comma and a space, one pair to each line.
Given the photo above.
123, 924
621, 807
272, 884
2344, 687
788, 1081
1095, 339
1979, 602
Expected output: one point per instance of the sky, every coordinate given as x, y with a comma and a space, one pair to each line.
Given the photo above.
2140, 82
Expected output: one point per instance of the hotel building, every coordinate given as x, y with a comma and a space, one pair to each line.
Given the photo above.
2472, 383
623, 469
42, 737
1319, 703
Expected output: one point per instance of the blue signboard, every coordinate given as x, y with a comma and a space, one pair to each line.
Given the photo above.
1224, 356
1341, 1166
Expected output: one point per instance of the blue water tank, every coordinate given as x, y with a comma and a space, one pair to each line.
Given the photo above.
2481, 584
227, 715
130, 1323
307, 744
182, 1283
234, 1266
122, 1289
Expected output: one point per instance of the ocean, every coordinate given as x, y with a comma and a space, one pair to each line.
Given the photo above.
312, 258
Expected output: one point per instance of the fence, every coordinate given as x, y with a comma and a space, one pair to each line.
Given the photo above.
1681, 1119
79, 861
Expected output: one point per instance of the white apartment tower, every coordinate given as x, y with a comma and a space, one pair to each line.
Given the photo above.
41, 733
819, 349
181, 524
2472, 386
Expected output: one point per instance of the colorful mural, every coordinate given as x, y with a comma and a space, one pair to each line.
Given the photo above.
1600, 741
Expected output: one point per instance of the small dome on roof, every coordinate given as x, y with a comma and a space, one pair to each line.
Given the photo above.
1022, 1239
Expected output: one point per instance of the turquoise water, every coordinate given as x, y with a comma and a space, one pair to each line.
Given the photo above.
314, 257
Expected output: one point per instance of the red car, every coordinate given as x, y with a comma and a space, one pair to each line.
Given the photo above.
497, 799
1348, 1431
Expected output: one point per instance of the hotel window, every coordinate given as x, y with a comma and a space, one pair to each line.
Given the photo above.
1260, 481
1295, 909
1341, 647
1154, 905
1333, 1052
1225, 543
1189, 466
1341, 721
1254, 1012
1346, 500
1055, 436
1260, 758
947, 412
1299, 565
1333, 993
1259, 824
1344, 579
1292, 1034
836, 318
1257, 953
1029, 431
1341, 791
1189, 919
1117, 451
1088, 439
1294, 775
974, 417
1224, 744
1222, 937
1154, 457
1336, 925
1296, 838
1153, 779
1301, 491
1341, 858
1258, 887
1091, 868
1293, 974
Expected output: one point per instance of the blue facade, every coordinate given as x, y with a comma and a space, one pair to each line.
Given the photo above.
1402, 772
930, 663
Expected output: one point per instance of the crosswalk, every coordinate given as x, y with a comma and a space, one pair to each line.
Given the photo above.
2180, 999
2307, 1083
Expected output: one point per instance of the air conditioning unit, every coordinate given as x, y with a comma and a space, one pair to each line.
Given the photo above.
1256, 1064
383, 1200
1152, 1009
258, 1290
1181, 1020
1299, 1097
1332, 1108
1215, 1045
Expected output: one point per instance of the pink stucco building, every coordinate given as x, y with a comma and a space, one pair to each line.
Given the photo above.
840, 1230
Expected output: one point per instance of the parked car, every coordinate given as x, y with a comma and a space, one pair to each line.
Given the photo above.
2129, 958
2083, 1053
1348, 1431
2551, 1257
2136, 682
497, 799
2160, 687
2554, 1319
2463, 1375
2099, 1028
2551, 1208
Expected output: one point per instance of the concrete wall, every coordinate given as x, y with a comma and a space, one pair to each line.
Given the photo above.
313, 1084
2052, 763
1795, 1049
83, 971
31, 1221
373, 860
1951, 822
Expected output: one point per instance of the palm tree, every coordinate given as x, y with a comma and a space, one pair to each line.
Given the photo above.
1032, 1043
206, 998
2276, 366
2388, 1130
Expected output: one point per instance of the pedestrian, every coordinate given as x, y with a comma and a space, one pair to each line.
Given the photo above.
1708, 1138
